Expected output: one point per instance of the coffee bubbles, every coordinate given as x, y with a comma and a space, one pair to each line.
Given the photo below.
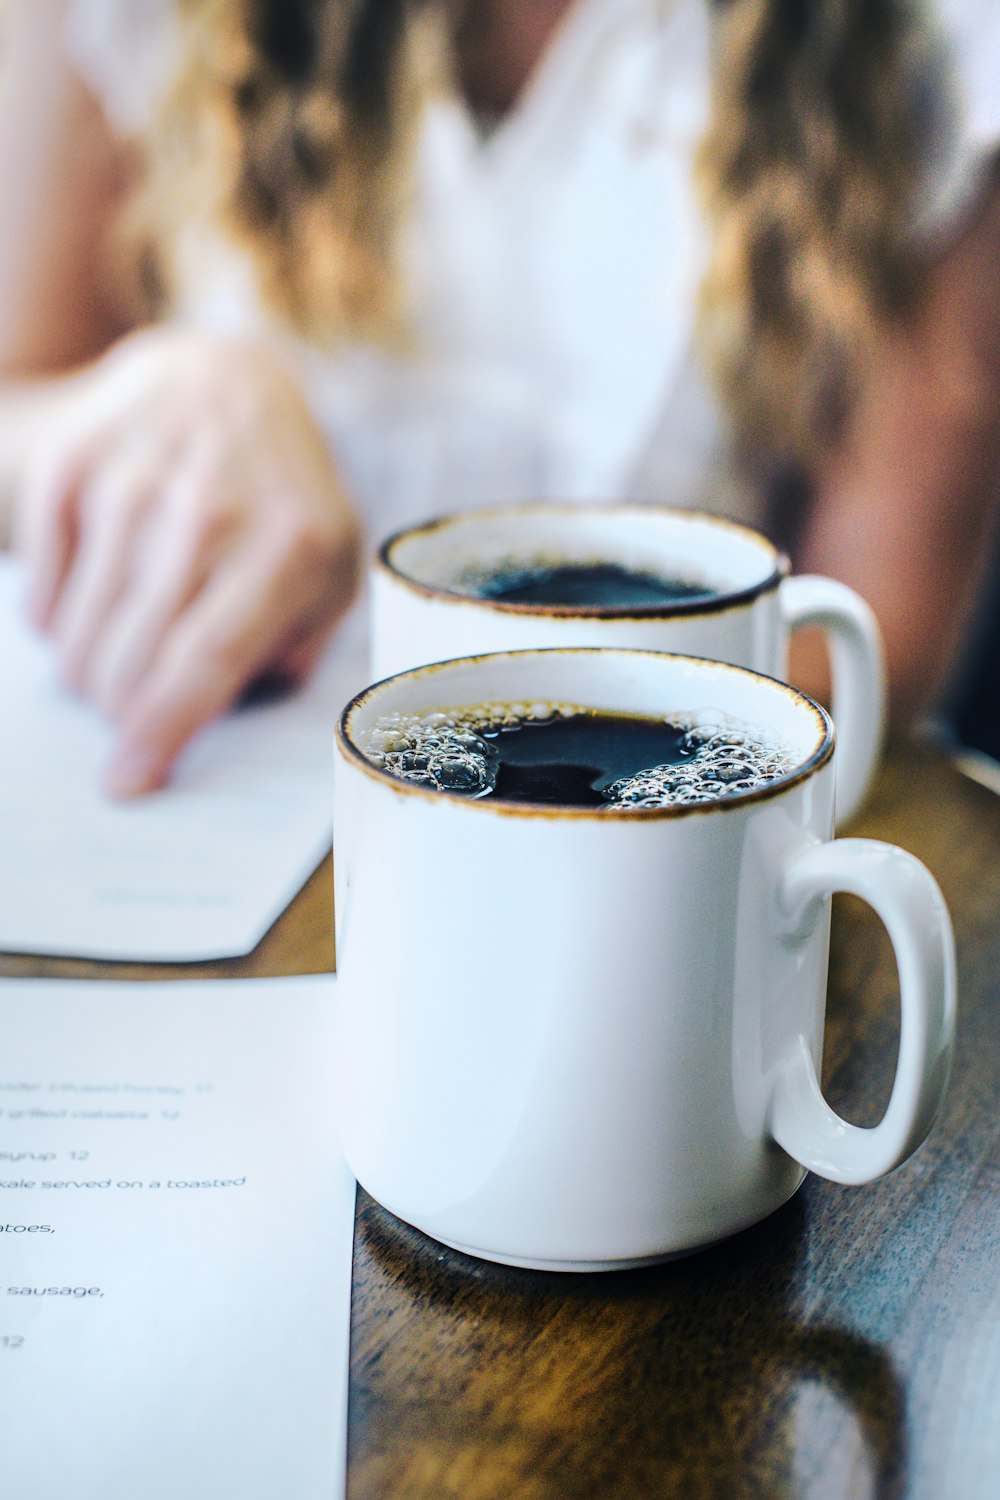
568, 755
719, 763
435, 751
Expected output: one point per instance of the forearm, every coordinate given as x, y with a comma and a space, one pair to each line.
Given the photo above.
910, 529
62, 180
906, 508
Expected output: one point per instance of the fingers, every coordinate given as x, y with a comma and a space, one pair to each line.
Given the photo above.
46, 530
112, 506
170, 564
218, 645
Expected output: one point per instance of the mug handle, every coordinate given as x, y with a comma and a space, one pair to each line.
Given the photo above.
908, 900
858, 672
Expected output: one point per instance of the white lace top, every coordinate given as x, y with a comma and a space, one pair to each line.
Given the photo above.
553, 268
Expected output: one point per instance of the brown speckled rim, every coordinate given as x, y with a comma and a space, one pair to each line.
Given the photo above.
715, 604
344, 743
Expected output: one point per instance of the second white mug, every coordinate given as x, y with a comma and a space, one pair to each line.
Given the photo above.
423, 609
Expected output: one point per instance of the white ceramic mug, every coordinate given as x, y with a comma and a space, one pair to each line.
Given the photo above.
585, 1038
421, 614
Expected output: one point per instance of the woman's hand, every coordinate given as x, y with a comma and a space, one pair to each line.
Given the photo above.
183, 533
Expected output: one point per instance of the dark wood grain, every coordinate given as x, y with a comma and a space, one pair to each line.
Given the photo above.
848, 1347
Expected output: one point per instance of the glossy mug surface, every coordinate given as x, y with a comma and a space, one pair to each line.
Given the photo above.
586, 1038
423, 611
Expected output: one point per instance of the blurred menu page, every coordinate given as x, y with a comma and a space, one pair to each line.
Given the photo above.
176, 1227
199, 870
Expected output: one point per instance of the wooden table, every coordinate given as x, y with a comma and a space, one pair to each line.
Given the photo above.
848, 1347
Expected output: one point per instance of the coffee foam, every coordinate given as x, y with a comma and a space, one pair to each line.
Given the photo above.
450, 750
720, 763
455, 750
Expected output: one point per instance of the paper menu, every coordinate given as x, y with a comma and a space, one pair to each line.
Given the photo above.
197, 871
189, 1338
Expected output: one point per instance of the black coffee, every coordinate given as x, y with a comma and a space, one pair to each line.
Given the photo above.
601, 585
573, 760
574, 757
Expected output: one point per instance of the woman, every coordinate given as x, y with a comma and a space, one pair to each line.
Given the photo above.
400, 258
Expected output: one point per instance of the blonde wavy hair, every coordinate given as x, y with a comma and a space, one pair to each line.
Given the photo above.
823, 112
289, 130
291, 125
